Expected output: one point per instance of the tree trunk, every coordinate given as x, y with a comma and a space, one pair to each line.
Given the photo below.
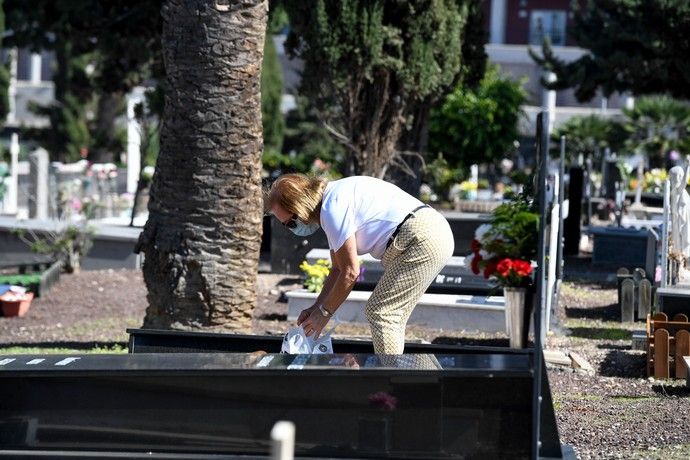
202, 239
374, 119
412, 144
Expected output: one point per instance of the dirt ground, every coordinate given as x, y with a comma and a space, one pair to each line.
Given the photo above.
615, 412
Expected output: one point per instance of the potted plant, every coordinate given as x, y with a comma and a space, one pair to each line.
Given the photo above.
503, 251
16, 303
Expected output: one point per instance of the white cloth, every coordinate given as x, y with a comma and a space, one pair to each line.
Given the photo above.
366, 207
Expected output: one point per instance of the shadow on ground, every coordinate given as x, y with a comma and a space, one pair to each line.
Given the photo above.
289, 281
601, 333
665, 390
620, 363
273, 317
607, 313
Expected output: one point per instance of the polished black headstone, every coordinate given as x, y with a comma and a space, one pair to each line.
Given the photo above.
471, 405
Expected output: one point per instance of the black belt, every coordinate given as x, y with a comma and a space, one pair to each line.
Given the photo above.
397, 229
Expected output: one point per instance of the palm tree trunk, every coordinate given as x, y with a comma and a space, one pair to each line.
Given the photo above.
202, 240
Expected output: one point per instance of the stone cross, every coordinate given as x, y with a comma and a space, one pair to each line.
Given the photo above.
38, 174
10, 205
133, 139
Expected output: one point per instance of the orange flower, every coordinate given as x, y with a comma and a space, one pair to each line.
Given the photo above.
504, 266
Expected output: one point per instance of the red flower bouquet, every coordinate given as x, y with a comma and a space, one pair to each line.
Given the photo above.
502, 251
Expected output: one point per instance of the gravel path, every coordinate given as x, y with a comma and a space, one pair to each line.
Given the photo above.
616, 412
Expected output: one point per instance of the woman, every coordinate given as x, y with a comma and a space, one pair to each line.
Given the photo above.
363, 215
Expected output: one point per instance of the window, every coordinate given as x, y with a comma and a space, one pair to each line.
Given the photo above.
547, 23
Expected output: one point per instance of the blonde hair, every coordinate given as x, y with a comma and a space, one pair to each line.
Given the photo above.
298, 194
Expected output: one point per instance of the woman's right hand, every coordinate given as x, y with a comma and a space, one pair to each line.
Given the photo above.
305, 314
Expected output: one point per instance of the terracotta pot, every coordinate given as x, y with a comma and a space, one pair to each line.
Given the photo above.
17, 307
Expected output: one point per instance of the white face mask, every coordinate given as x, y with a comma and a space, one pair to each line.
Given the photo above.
302, 229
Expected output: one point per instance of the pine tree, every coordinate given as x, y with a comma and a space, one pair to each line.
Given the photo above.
639, 46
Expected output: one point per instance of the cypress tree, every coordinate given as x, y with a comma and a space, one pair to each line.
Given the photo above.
271, 93
368, 65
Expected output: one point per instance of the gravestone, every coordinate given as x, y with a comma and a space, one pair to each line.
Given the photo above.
10, 200
673, 300
611, 176
624, 247
627, 300
38, 173
572, 224
288, 251
455, 277
644, 304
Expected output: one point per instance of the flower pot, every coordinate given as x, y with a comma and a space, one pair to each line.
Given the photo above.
516, 315
17, 307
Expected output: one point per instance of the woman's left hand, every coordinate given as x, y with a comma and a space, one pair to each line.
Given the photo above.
314, 323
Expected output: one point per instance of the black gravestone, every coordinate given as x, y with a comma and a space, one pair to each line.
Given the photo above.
289, 250
625, 247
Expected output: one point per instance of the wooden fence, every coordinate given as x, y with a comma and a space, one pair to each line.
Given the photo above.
667, 343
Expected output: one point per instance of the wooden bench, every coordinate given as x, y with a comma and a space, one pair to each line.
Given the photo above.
667, 343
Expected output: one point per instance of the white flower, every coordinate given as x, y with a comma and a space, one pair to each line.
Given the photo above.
481, 231
485, 255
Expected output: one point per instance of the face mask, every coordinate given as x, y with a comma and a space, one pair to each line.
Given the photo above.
302, 229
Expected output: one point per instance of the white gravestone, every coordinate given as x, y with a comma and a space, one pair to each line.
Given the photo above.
10, 206
38, 199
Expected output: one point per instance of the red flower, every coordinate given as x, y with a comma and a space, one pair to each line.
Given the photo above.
475, 245
522, 267
475, 263
489, 268
504, 266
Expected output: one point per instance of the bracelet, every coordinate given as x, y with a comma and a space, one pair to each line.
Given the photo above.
325, 312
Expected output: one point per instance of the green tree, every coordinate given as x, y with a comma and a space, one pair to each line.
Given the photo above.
4, 73
369, 64
656, 125
271, 94
634, 45
478, 125
116, 40
305, 142
590, 136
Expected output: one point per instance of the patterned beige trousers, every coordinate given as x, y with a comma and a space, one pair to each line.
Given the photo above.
418, 253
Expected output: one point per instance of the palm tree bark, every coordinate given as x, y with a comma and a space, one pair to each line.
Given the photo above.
202, 240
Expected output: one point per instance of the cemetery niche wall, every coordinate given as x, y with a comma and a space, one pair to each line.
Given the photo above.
192, 394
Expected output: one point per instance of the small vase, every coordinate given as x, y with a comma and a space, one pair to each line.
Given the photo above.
516, 321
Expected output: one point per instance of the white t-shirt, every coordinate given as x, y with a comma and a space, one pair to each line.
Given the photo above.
366, 207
